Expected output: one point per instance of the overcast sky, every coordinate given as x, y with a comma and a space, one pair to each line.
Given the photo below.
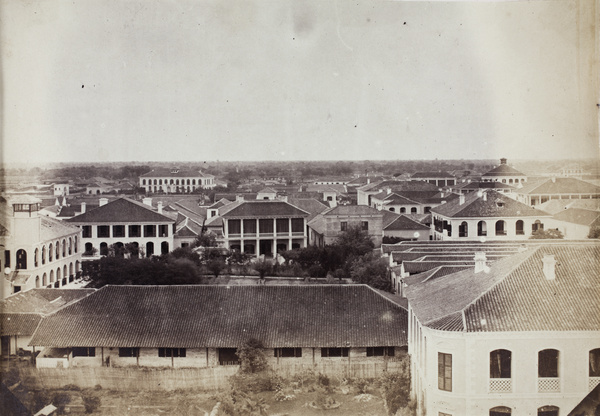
101, 80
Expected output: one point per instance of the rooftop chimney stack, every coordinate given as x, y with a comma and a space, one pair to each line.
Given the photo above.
480, 262
549, 266
239, 198
102, 201
147, 201
461, 199
83, 207
159, 206
503, 161
484, 196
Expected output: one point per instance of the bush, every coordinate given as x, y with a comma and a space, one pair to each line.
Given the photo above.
254, 382
252, 356
362, 385
72, 387
91, 402
61, 400
395, 388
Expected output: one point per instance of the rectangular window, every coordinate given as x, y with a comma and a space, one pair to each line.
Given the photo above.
297, 225
86, 231
548, 363
249, 226
163, 230
343, 225
149, 230
234, 226
103, 231
265, 226
283, 225
118, 231
6, 258
364, 225
334, 352
129, 352
287, 352
135, 231
380, 351
444, 371
84, 352
171, 352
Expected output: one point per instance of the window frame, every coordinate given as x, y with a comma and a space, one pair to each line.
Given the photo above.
444, 371
332, 352
172, 352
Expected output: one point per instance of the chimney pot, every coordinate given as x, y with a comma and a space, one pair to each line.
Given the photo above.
83, 207
461, 199
549, 266
102, 201
480, 262
147, 201
160, 207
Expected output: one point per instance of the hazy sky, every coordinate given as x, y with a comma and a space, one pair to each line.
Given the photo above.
101, 80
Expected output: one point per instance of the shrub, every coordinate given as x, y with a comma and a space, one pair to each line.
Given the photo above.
252, 356
91, 402
61, 400
323, 380
72, 387
362, 385
254, 382
395, 388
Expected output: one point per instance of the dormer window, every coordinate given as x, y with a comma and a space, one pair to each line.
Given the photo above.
499, 203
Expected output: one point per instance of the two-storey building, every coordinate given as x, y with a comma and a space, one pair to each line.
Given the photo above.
37, 251
520, 337
327, 226
175, 180
125, 222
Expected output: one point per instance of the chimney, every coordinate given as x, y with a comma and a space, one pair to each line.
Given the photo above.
147, 201
159, 206
480, 260
389, 191
368, 180
239, 198
83, 207
103, 201
549, 266
503, 161
479, 193
553, 179
484, 196
461, 199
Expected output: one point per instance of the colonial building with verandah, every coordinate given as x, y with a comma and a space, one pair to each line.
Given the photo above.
37, 251
175, 180
486, 214
202, 326
124, 221
521, 336
539, 192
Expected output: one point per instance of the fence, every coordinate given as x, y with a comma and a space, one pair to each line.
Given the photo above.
208, 379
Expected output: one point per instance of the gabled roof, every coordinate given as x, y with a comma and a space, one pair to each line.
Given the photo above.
487, 203
21, 312
503, 170
310, 205
515, 295
223, 316
347, 210
557, 186
120, 210
554, 206
53, 228
579, 216
261, 209
403, 223
267, 191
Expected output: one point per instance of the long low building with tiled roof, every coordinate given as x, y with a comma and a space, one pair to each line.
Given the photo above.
513, 337
175, 180
199, 326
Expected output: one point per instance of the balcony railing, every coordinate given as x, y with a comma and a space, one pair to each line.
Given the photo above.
593, 382
548, 385
500, 385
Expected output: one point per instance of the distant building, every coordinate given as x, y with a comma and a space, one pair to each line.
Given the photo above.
202, 326
504, 174
520, 337
61, 189
175, 180
329, 224
39, 251
123, 221
435, 178
539, 192
486, 214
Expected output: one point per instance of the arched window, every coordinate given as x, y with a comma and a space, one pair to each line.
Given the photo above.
143, 181
36, 254
463, 229
164, 247
155, 182
510, 181
75, 243
500, 411
103, 249
50, 251
58, 274
392, 209
548, 411
44, 280
548, 363
193, 181
481, 229
160, 181
500, 227
44, 255
503, 180
37, 281
402, 210
149, 249
77, 266
89, 249
188, 182
64, 248
21, 259
177, 182
70, 246
537, 226
51, 276
65, 271
70, 269
413, 210
57, 250
519, 228
500, 364
594, 363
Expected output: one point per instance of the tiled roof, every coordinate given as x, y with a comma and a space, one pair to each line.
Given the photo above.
514, 295
223, 316
310, 205
345, 210
476, 206
120, 210
557, 186
21, 312
579, 216
483, 185
401, 186
405, 223
262, 209
441, 174
52, 228
554, 206
267, 191
503, 170
175, 173
339, 189
388, 217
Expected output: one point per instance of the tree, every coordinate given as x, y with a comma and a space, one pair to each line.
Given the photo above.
215, 266
371, 270
546, 234
594, 232
263, 267
353, 242
252, 356
206, 240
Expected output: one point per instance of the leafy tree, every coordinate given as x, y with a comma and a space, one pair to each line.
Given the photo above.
61, 400
252, 356
371, 270
206, 240
263, 267
216, 266
395, 389
546, 234
353, 242
594, 232
185, 253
